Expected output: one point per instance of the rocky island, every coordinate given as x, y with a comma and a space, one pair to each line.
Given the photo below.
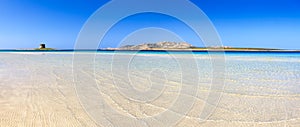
158, 46
184, 46
43, 47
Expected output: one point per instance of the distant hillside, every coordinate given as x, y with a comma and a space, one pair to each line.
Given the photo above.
159, 45
184, 46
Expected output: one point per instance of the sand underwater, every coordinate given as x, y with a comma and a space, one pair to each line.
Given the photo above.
53, 89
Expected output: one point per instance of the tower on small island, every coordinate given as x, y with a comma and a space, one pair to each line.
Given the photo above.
42, 46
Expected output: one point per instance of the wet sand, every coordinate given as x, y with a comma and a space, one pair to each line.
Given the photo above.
37, 89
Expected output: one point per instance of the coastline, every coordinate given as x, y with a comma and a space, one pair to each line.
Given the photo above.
161, 50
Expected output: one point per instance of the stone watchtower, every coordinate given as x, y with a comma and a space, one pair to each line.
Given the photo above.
42, 46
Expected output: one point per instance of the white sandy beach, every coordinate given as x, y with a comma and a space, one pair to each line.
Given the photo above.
38, 90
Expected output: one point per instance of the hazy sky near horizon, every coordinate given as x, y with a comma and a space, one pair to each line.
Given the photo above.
240, 23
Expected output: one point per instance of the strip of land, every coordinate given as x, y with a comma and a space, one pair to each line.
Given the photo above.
164, 46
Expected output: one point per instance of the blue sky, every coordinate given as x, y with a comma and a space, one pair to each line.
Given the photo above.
240, 23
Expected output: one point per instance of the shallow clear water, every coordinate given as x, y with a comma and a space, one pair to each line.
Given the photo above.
260, 89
